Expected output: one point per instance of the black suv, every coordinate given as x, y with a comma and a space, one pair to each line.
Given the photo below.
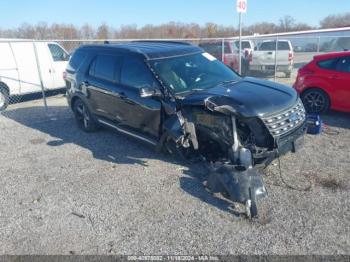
175, 94
177, 97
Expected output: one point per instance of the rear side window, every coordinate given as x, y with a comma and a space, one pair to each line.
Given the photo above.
328, 64
136, 73
271, 46
106, 67
58, 54
245, 45
77, 59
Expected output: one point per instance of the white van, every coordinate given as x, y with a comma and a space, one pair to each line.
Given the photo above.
19, 74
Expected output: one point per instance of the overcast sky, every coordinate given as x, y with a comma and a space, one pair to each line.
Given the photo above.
141, 12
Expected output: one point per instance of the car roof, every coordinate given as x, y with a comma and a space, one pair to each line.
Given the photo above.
274, 40
332, 55
150, 49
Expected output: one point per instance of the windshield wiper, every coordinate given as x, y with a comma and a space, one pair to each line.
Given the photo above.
191, 90
226, 82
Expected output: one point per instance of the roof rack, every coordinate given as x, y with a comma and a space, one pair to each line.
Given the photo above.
161, 41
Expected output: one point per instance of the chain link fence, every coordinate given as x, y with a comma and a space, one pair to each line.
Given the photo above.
31, 71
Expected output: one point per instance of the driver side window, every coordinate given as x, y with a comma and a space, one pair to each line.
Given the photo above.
58, 54
135, 73
343, 65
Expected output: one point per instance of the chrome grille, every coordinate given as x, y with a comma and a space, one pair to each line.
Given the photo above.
286, 121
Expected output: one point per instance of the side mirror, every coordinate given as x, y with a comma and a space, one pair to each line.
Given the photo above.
146, 92
255, 48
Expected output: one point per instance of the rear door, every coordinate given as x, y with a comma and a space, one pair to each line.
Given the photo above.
101, 83
59, 62
341, 83
27, 68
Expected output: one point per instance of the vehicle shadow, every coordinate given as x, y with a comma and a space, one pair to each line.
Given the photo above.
112, 147
336, 119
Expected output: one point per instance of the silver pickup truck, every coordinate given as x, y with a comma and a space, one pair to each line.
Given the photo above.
263, 57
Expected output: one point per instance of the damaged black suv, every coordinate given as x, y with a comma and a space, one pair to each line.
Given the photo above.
177, 97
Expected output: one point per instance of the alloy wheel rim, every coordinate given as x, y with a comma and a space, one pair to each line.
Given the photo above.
83, 115
315, 102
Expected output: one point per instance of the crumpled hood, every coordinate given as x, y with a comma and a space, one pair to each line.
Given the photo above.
249, 97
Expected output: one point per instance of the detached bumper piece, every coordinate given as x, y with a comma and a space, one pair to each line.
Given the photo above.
238, 185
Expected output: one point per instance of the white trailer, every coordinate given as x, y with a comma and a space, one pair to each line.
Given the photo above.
23, 62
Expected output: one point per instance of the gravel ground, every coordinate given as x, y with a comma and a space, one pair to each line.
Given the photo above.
63, 191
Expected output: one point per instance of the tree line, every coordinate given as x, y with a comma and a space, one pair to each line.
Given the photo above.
43, 30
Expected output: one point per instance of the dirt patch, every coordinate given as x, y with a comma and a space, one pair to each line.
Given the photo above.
37, 141
332, 183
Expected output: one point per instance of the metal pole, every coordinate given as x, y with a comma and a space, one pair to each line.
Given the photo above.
40, 77
318, 44
240, 45
223, 50
276, 51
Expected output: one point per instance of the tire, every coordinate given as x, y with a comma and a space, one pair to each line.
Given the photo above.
4, 98
253, 206
83, 116
315, 101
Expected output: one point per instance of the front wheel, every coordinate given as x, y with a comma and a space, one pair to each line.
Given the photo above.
315, 101
84, 117
4, 99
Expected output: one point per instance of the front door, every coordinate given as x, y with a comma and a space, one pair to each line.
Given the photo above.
341, 83
59, 63
141, 114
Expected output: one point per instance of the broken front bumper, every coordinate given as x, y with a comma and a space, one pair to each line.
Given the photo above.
238, 185
290, 142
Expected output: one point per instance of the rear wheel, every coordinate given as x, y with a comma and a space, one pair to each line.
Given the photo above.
84, 117
315, 101
4, 98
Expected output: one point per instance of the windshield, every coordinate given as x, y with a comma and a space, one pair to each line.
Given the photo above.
271, 46
245, 45
192, 72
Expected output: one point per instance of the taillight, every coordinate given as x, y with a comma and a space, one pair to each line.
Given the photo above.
64, 75
305, 71
290, 56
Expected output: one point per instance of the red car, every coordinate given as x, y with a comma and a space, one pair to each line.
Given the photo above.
230, 56
324, 83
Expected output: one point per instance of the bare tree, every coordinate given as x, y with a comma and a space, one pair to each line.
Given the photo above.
25, 31
334, 21
168, 30
103, 31
42, 30
87, 32
286, 23
261, 28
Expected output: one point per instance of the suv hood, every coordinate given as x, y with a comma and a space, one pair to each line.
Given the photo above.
249, 97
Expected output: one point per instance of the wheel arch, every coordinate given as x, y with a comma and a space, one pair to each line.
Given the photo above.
317, 88
3, 85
